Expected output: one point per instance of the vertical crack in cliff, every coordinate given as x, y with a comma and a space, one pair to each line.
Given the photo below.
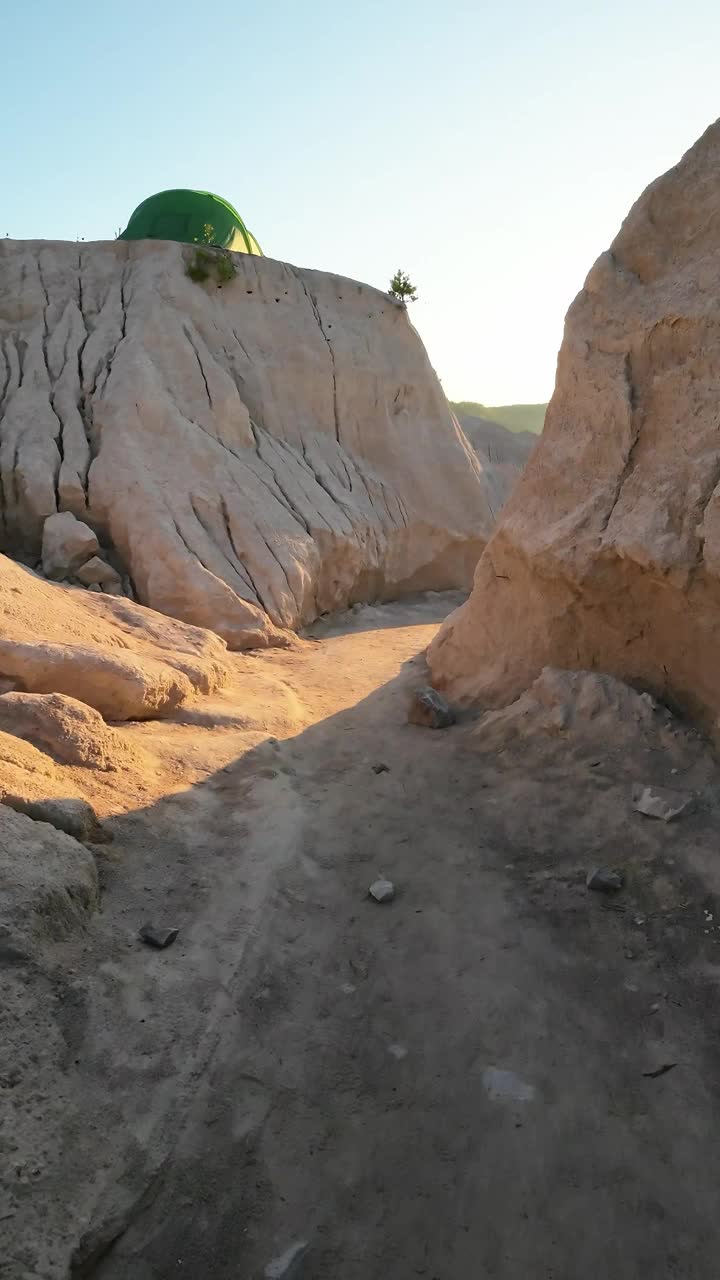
316, 312
7, 374
281, 496
242, 346
384, 491
44, 339
192, 551
253, 586
636, 414
346, 469
82, 397
281, 566
337, 502
237, 568
123, 300
305, 479
15, 479
368, 491
188, 334
106, 367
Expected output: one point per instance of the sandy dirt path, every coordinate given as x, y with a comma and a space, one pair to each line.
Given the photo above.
450, 1086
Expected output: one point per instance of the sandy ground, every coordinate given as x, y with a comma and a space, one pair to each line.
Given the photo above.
450, 1086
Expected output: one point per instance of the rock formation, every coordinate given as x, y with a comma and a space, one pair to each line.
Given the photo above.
608, 553
49, 881
125, 661
248, 453
66, 729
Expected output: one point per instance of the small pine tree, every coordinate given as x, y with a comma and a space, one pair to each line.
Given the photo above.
401, 288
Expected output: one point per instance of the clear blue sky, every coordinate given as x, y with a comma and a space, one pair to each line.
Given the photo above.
490, 149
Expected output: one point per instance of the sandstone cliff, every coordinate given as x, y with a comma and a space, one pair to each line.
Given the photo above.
249, 452
608, 554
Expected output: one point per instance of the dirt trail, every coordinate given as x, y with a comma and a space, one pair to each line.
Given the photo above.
450, 1086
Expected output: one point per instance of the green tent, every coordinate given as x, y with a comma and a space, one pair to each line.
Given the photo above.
192, 217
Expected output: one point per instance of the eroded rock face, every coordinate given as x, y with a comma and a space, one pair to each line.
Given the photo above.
502, 454
253, 454
608, 554
585, 707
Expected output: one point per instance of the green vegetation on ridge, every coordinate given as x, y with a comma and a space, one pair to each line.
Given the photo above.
516, 417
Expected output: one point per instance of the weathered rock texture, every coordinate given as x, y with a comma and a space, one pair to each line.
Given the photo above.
253, 454
48, 881
66, 729
502, 454
585, 707
608, 554
125, 661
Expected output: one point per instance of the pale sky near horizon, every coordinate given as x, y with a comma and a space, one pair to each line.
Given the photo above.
490, 150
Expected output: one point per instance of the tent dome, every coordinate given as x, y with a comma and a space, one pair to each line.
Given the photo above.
192, 217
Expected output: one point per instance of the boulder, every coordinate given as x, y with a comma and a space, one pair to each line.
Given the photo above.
70, 814
125, 661
97, 573
607, 555
68, 730
66, 544
32, 784
252, 456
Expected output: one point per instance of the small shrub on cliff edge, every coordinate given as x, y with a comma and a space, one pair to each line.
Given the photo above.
206, 263
401, 288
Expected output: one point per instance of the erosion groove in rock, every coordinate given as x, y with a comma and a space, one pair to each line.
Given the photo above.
253, 454
608, 554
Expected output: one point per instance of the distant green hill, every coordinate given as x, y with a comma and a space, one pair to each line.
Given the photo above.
516, 417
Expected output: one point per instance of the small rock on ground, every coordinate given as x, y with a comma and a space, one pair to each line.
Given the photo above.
159, 938
382, 890
429, 708
289, 1265
603, 880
